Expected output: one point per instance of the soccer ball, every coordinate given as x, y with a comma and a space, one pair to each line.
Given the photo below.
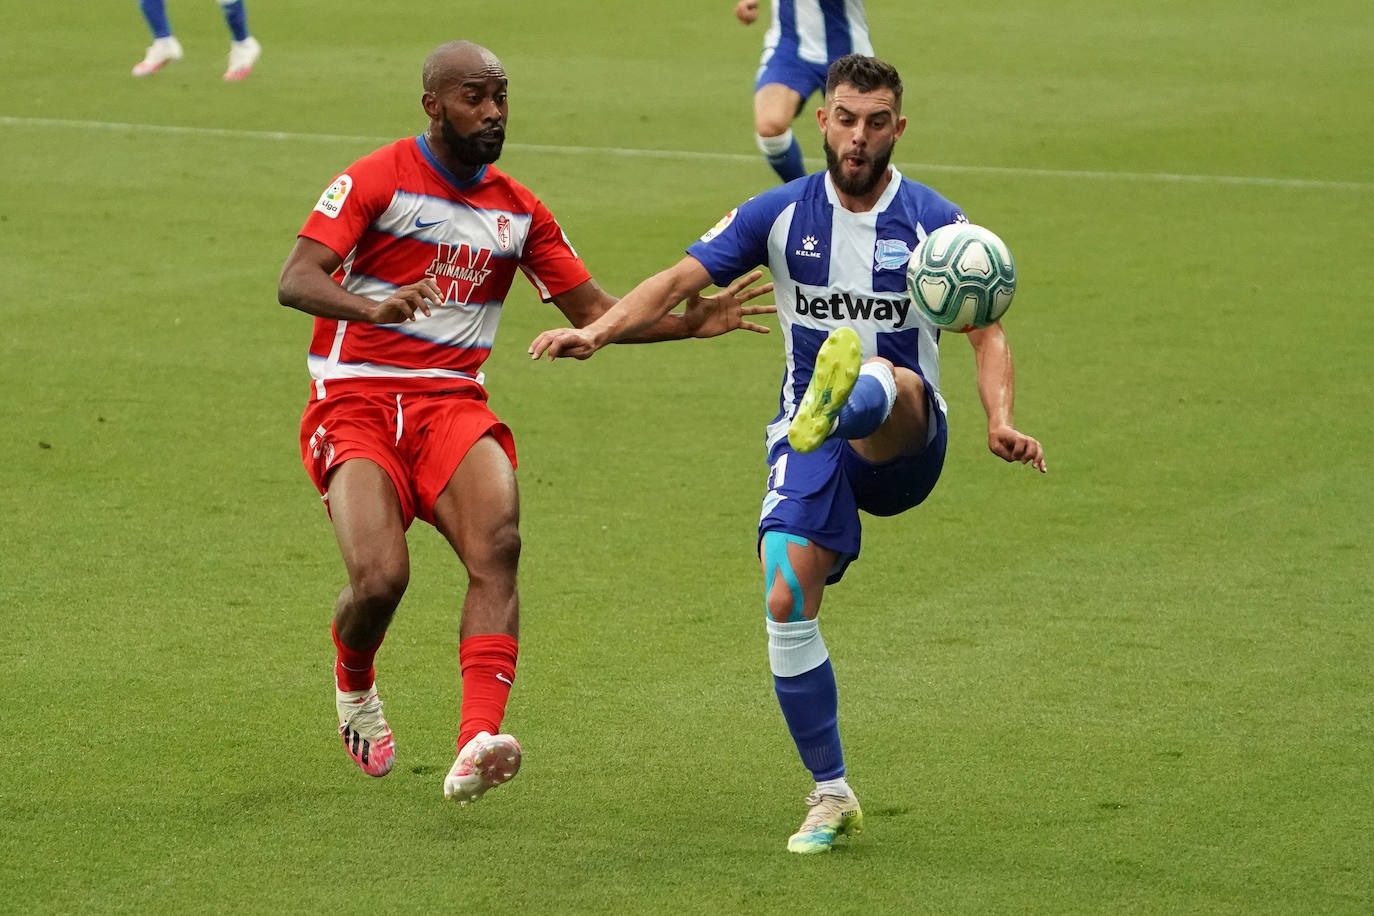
961, 277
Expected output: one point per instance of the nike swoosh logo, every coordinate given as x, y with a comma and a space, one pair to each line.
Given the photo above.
420, 224
503, 679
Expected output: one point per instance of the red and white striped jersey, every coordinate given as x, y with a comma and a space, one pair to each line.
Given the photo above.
398, 215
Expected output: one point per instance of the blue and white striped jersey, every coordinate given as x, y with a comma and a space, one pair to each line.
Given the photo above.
821, 30
833, 267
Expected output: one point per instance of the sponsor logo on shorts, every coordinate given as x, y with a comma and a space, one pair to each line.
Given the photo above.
321, 448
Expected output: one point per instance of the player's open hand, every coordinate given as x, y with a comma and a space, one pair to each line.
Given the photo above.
579, 343
746, 11
409, 302
711, 316
1009, 445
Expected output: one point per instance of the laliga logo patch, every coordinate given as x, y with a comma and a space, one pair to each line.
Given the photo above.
503, 232
331, 201
719, 227
891, 254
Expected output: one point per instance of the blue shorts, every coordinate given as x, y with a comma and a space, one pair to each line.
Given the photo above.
818, 495
783, 64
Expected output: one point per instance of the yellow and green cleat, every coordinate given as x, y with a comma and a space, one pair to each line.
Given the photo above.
830, 816
832, 379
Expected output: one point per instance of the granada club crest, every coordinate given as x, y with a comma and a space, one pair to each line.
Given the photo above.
503, 232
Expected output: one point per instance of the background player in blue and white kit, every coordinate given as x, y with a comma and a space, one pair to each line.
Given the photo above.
802, 40
837, 244
244, 49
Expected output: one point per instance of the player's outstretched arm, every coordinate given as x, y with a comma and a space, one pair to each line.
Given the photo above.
643, 315
996, 389
307, 283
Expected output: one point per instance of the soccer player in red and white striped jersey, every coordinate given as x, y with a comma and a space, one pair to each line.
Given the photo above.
405, 263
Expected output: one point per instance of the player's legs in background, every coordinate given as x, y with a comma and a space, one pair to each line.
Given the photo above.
479, 513
775, 107
244, 49
367, 517
165, 47
795, 571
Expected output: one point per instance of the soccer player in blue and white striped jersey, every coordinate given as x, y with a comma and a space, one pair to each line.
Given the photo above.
804, 37
837, 243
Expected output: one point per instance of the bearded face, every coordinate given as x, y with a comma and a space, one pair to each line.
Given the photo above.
859, 171
480, 147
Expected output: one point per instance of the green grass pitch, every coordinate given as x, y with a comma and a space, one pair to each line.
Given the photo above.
1138, 684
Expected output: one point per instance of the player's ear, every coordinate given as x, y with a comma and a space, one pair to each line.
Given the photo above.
822, 116
430, 103
901, 128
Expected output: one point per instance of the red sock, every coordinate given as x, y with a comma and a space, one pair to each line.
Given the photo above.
488, 665
352, 669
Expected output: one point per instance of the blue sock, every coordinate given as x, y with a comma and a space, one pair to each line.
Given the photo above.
155, 11
236, 17
810, 704
866, 409
788, 164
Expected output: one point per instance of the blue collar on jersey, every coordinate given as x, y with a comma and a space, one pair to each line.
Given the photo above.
439, 167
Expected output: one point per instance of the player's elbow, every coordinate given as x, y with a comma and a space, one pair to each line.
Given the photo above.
289, 287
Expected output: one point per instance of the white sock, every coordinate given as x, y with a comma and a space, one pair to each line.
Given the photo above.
774, 146
836, 786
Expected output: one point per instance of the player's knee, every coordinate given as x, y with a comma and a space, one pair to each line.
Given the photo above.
771, 123
782, 603
783, 596
498, 554
377, 589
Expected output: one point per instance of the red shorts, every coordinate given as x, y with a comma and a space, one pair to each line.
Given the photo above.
418, 439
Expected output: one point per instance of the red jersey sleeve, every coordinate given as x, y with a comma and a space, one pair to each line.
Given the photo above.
351, 203
549, 259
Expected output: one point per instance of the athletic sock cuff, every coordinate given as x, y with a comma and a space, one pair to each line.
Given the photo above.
775, 146
795, 647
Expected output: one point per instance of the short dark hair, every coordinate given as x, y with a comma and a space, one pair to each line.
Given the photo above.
867, 74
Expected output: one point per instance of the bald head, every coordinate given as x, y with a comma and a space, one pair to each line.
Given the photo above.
459, 61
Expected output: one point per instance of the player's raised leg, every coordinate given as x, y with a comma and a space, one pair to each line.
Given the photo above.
883, 410
244, 49
836, 370
478, 512
165, 48
795, 571
368, 523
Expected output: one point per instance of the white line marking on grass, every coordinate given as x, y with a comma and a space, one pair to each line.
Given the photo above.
1156, 177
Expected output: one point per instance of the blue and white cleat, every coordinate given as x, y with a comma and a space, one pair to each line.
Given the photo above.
830, 816
837, 369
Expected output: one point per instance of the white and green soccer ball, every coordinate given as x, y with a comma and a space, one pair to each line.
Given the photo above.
961, 277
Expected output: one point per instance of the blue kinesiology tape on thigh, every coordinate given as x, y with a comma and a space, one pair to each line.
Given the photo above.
776, 562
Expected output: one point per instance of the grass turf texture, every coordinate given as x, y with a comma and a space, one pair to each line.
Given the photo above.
1140, 683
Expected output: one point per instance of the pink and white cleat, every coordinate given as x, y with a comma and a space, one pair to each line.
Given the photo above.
484, 763
242, 56
365, 733
160, 53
